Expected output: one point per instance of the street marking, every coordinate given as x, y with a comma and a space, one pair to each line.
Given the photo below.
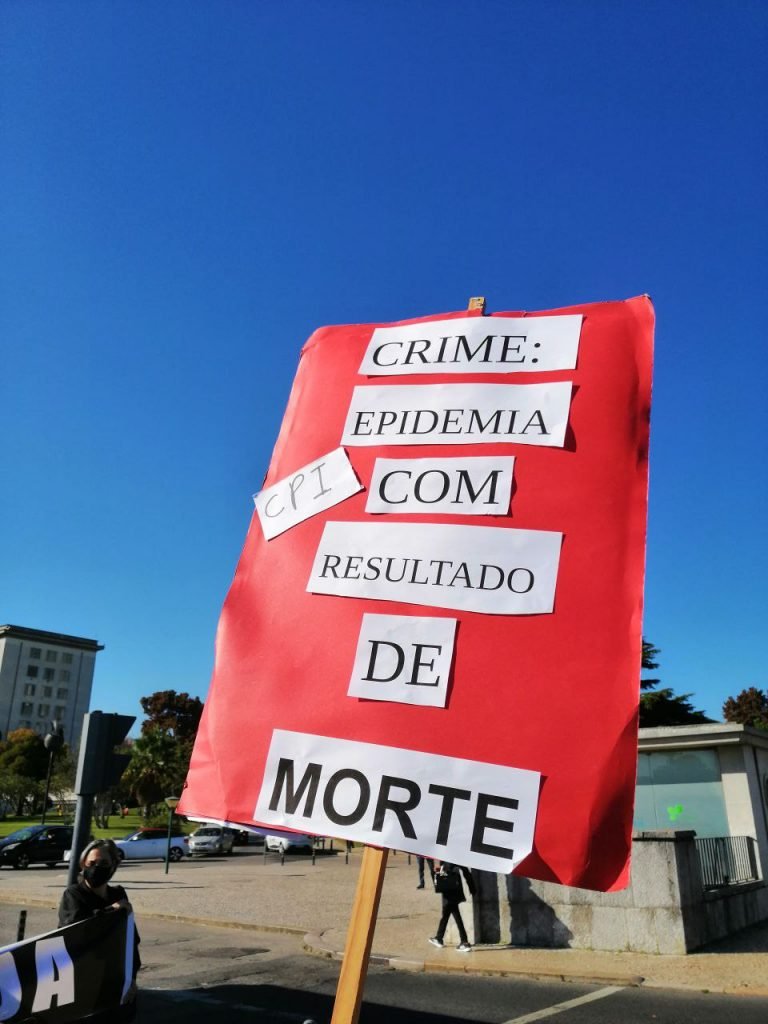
567, 1005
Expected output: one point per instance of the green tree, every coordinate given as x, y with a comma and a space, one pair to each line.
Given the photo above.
17, 792
664, 707
62, 777
648, 664
160, 757
157, 769
750, 707
176, 714
24, 753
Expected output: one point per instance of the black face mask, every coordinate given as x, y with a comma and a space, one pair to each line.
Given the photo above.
98, 873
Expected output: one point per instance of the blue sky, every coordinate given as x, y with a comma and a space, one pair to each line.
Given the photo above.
188, 189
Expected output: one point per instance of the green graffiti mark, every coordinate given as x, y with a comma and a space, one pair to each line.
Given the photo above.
675, 812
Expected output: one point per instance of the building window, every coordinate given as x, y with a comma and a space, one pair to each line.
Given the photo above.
32, 671
25, 725
64, 675
51, 655
47, 691
58, 712
34, 652
681, 789
62, 693
27, 708
66, 659
43, 710
48, 674
29, 690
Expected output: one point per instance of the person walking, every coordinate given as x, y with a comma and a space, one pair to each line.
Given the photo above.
430, 865
448, 883
92, 895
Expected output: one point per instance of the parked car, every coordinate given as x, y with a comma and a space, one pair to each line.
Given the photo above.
289, 841
151, 843
35, 844
211, 839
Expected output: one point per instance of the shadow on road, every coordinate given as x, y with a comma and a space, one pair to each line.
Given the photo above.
270, 1004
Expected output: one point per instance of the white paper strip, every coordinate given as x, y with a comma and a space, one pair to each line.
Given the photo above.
403, 658
466, 812
458, 414
474, 568
478, 486
498, 344
313, 488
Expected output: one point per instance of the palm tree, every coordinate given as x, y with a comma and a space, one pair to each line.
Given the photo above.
156, 769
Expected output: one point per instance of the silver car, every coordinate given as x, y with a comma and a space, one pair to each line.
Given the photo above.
151, 843
211, 839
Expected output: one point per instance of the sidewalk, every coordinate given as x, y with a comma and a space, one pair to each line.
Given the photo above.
244, 891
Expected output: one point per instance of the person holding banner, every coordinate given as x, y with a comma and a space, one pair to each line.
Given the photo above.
91, 895
447, 880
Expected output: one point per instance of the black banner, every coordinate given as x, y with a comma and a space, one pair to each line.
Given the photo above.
70, 973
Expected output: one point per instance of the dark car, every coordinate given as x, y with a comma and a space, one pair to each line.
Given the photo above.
35, 844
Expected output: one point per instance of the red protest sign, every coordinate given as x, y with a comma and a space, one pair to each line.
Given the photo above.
432, 641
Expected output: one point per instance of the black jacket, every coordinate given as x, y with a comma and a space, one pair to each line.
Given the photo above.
454, 873
79, 903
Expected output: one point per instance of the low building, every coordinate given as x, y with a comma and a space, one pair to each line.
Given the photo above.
45, 677
712, 779
699, 857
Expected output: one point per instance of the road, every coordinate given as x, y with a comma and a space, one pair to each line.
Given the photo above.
196, 974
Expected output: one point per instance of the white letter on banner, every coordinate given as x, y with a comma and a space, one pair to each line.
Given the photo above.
497, 344
471, 486
403, 658
130, 941
473, 568
458, 414
55, 975
467, 812
10, 987
311, 489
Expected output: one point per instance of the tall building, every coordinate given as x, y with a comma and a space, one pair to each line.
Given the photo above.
45, 677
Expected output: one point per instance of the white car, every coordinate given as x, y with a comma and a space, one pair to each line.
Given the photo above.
151, 844
289, 841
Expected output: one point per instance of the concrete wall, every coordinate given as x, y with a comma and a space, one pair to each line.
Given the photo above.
735, 768
756, 767
664, 910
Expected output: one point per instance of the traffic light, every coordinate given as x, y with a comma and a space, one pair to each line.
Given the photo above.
98, 766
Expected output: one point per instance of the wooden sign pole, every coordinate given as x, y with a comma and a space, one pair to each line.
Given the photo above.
362, 923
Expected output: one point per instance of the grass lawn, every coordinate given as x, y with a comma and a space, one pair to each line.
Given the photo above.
118, 827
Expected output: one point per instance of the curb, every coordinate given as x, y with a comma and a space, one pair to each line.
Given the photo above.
246, 926
16, 899
315, 945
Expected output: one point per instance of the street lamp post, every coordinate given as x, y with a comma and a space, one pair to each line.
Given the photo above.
171, 802
53, 742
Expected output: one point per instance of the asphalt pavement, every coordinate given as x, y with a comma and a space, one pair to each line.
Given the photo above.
313, 901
